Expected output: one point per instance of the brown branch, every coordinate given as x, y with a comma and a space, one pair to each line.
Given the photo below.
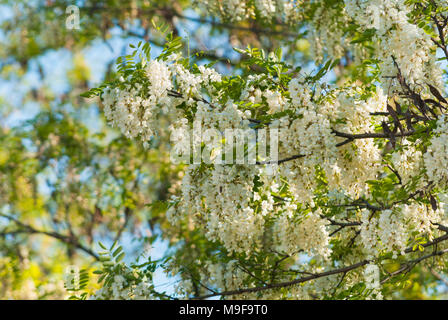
429, 244
438, 276
286, 284
406, 267
343, 270
368, 135
66, 239
349, 138
297, 156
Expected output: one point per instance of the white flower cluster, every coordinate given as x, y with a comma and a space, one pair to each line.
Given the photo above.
134, 107
133, 110
386, 232
372, 280
436, 157
220, 199
397, 38
232, 203
310, 133
407, 161
357, 163
125, 286
308, 233
326, 34
392, 230
232, 10
266, 7
360, 160
371, 273
421, 218
238, 10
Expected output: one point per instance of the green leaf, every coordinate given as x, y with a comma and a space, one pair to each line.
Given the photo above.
120, 257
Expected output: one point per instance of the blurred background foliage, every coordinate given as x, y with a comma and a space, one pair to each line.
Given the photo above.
67, 180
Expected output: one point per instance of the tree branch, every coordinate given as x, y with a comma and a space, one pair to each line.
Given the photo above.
343, 270
66, 239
